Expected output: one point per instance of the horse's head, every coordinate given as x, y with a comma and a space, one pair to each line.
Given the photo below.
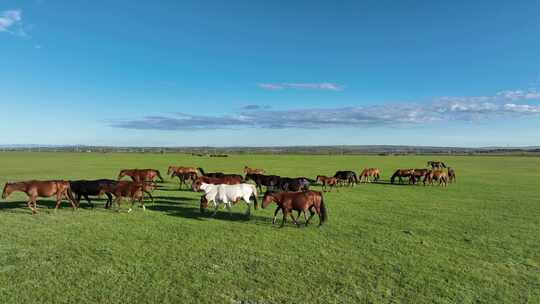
196, 185
267, 199
204, 203
8, 189
122, 174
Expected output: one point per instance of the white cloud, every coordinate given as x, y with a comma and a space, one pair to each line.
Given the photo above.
324, 86
520, 94
11, 22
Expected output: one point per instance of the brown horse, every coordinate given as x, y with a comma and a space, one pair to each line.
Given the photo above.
436, 164
326, 181
184, 177
418, 174
179, 169
35, 189
249, 170
374, 173
436, 176
132, 190
451, 175
299, 201
141, 175
400, 173
227, 180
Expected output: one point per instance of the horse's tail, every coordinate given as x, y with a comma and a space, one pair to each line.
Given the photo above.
324, 213
201, 170
355, 178
444, 166
393, 178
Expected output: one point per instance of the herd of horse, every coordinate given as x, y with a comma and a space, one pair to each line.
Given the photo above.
289, 194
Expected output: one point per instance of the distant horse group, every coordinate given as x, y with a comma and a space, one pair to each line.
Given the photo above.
427, 176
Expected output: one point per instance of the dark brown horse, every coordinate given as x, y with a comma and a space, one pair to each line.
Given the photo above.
436, 164
185, 177
451, 175
400, 174
299, 201
227, 180
35, 189
374, 173
326, 182
418, 174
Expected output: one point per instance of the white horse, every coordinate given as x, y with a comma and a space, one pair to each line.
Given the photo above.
228, 194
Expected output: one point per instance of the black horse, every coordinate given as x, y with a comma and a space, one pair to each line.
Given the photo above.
348, 177
294, 184
218, 174
269, 181
92, 188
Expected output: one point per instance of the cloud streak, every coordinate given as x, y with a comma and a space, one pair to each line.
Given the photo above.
11, 22
324, 86
444, 109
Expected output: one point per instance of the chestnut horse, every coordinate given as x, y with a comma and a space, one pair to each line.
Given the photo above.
326, 181
436, 175
374, 173
299, 201
178, 169
141, 175
35, 189
132, 190
400, 173
248, 170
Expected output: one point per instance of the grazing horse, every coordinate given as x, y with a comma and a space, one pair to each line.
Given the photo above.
184, 177
436, 164
418, 174
326, 181
400, 173
299, 201
178, 169
228, 194
436, 176
269, 181
294, 184
451, 175
346, 176
132, 190
92, 188
249, 170
35, 189
141, 175
374, 173
196, 185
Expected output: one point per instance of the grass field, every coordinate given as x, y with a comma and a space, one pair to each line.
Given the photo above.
478, 241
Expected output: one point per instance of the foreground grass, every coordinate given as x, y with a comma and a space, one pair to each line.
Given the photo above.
477, 241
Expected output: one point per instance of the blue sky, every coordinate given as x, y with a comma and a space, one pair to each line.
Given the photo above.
227, 73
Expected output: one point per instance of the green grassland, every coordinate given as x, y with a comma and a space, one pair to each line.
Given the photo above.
478, 241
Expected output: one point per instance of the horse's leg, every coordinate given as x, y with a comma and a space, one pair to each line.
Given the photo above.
275, 213
312, 213
215, 207
294, 220
305, 217
31, 200
248, 202
58, 200
109, 201
285, 212
88, 200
